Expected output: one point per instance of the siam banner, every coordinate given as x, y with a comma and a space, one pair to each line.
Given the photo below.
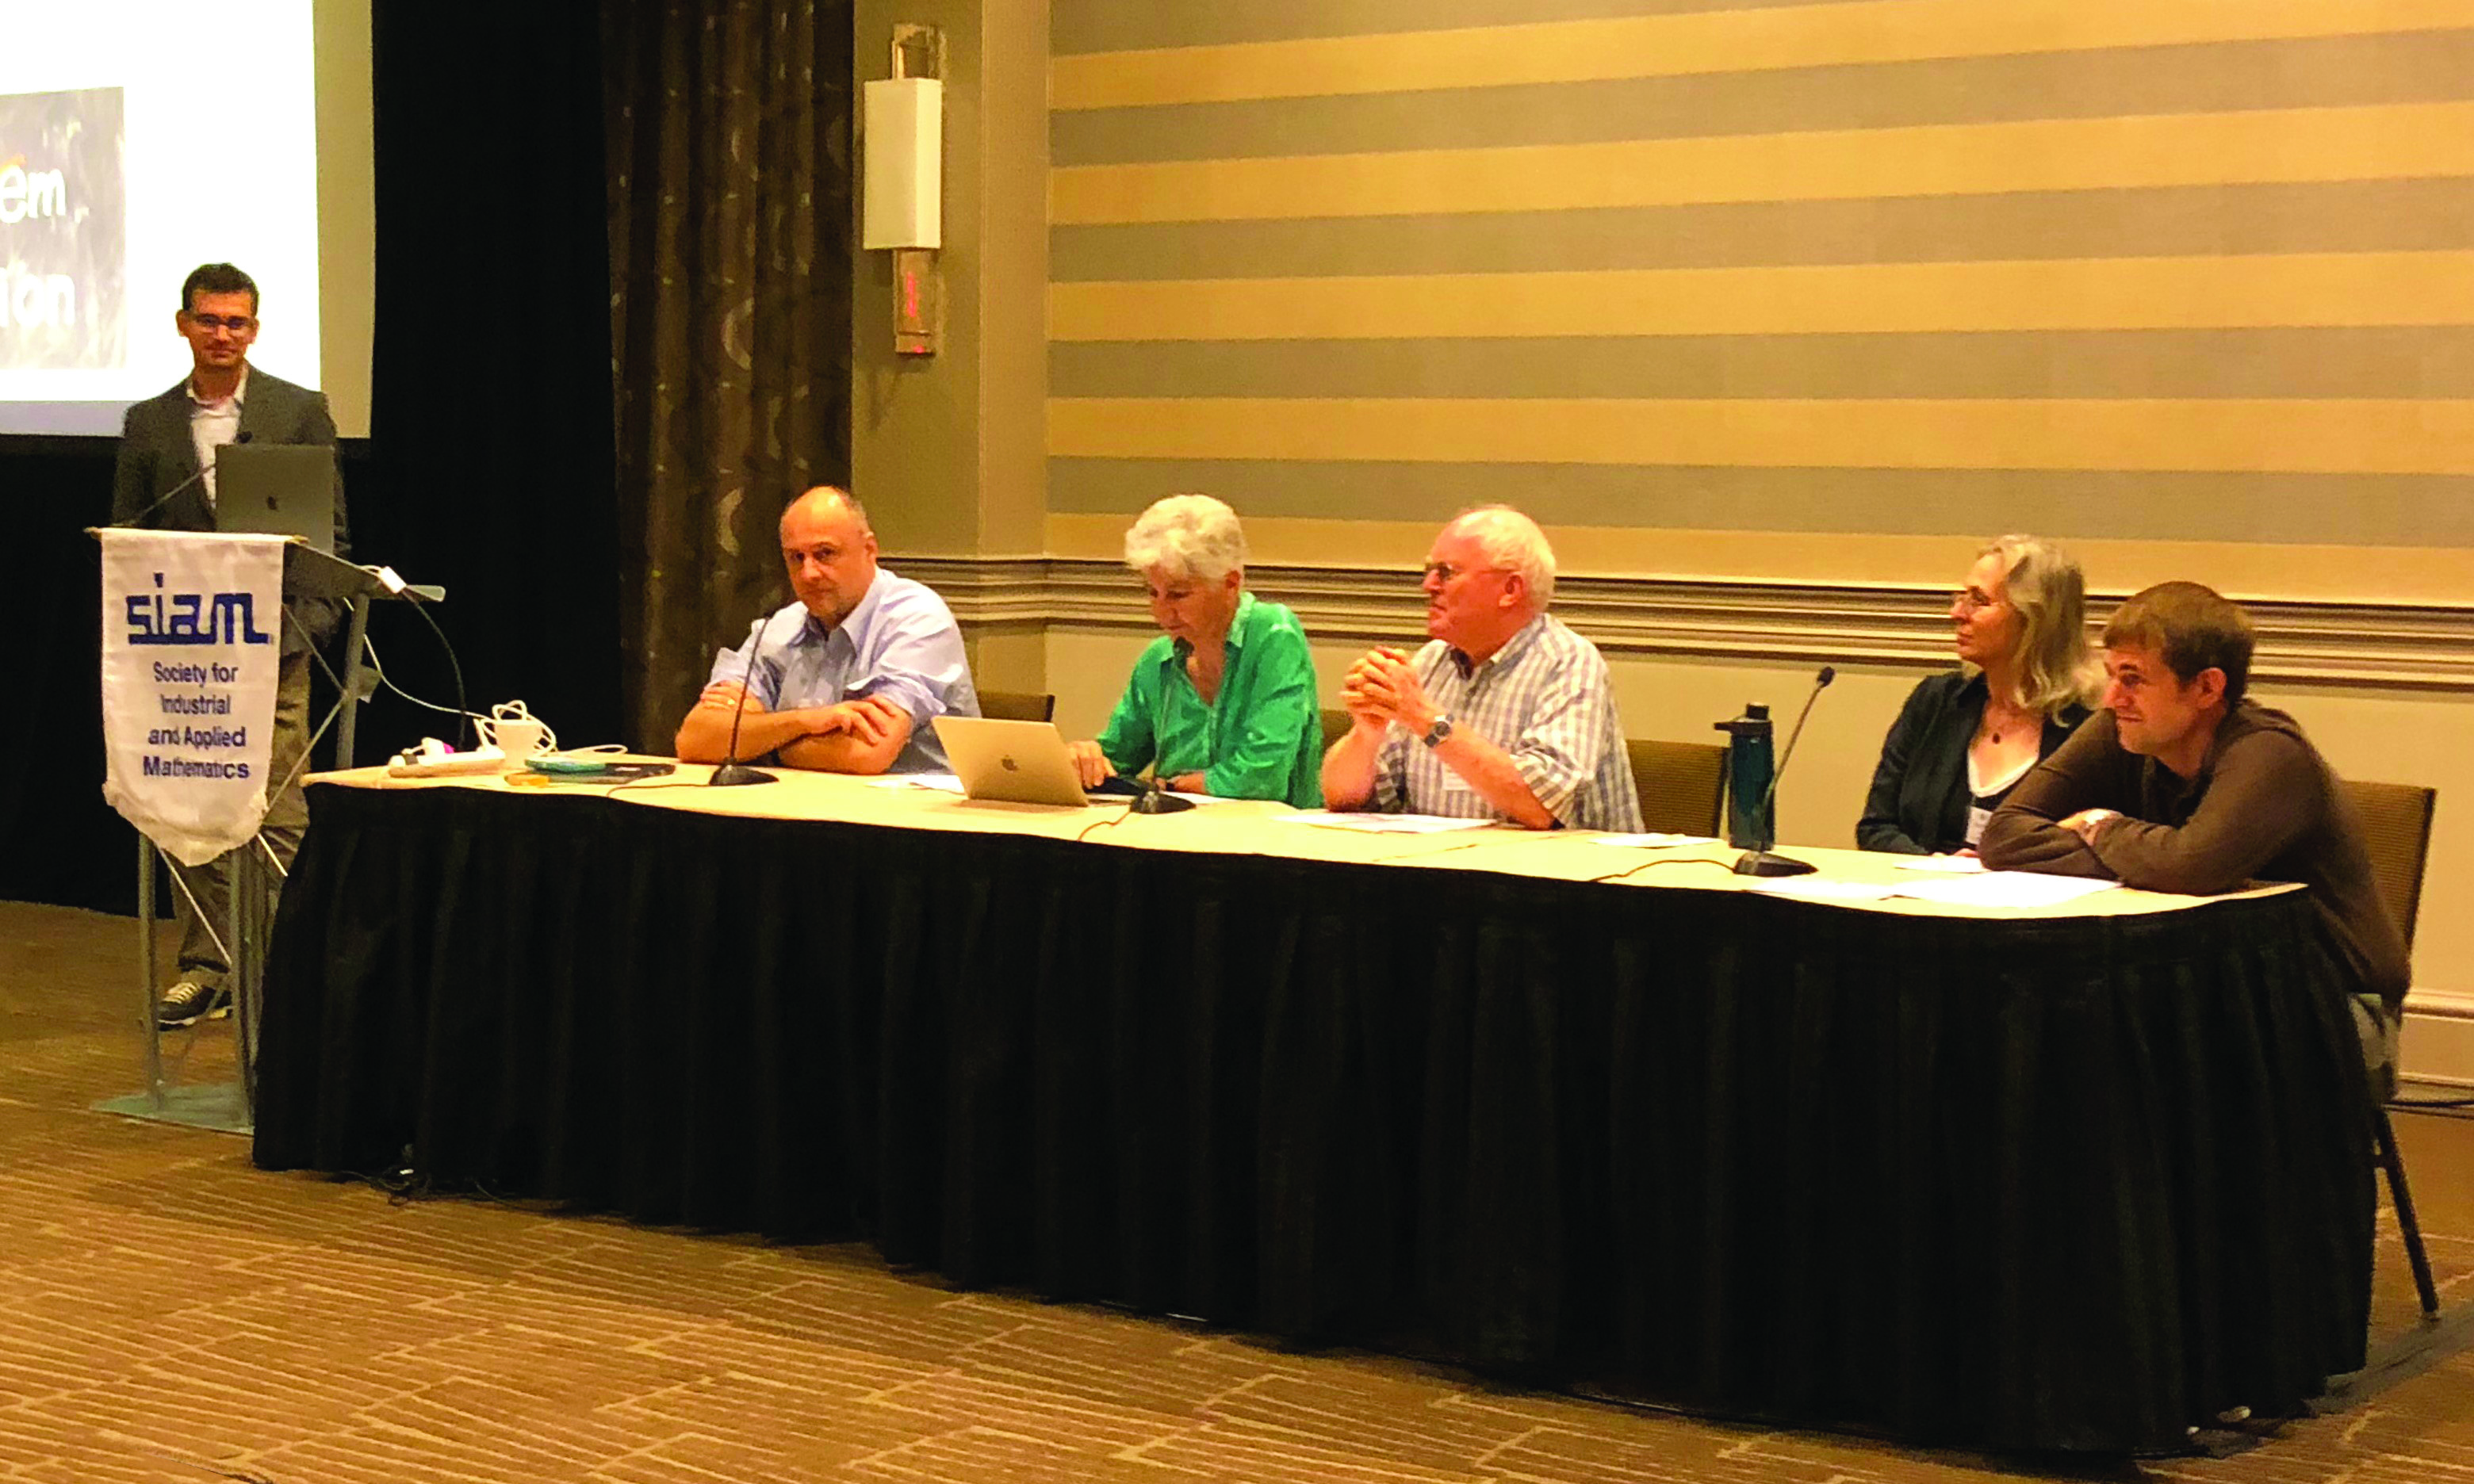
190, 625
63, 231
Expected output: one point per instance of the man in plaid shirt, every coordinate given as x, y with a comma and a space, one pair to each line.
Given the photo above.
1505, 714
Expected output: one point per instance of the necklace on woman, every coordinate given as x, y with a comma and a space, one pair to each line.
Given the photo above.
1997, 727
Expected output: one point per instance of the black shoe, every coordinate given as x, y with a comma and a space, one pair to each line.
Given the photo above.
188, 1002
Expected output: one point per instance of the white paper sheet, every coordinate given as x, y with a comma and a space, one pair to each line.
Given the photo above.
1945, 865
942, 782
2004, 889
1384, 823
1820, 889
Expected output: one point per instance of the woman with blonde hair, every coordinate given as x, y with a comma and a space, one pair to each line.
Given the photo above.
1222, 702
2026, 678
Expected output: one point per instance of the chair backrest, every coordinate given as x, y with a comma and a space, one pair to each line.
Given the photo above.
2397, 828
1678, 784
1335, 726
1017, 706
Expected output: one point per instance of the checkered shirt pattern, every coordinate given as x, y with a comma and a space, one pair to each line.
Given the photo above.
1545, 699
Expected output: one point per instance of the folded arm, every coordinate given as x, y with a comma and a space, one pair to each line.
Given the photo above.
2027, 833
2265, 790
704, 732
871, 734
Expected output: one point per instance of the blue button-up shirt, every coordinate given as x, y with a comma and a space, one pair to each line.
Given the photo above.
900, 642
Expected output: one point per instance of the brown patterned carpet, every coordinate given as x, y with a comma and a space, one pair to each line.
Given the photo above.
167, 1314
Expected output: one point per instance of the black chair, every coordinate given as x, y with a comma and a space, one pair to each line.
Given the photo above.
1681, 785
2395, 819
1017, 706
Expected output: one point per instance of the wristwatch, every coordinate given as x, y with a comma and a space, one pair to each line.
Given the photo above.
1439, 733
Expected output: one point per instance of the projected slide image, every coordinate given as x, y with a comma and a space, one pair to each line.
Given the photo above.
63, 231
138, 139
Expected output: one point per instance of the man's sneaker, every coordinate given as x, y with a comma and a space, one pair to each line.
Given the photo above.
188, 1002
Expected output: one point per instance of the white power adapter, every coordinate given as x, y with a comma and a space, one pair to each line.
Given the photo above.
436, 760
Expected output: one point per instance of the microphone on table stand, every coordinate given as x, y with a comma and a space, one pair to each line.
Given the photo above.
167, 494
1155, 799
734, 774
1759, 862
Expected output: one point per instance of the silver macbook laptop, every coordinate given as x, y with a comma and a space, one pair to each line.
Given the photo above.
279, 488
1017, 762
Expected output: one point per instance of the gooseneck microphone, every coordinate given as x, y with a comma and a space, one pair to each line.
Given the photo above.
166, 496
1760, 862
734, 774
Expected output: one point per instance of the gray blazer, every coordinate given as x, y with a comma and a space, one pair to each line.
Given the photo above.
156, 454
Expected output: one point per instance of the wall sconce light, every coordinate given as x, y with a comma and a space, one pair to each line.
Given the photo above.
902, 191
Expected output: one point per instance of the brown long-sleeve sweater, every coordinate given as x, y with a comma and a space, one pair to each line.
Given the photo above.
2263, 806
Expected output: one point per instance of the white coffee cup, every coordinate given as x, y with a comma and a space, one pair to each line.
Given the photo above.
518, 737
512, 733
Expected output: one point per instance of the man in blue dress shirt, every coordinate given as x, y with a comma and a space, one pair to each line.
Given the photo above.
848, 679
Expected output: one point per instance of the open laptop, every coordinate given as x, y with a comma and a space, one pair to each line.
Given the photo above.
279, 488
1017, 762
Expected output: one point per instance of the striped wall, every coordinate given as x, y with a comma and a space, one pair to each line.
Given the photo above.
1723, 275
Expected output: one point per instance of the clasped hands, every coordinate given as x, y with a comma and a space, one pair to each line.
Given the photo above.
1382, 687
867, 719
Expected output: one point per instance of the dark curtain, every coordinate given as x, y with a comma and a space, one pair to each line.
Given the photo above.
490, 380
729, 232
58, 841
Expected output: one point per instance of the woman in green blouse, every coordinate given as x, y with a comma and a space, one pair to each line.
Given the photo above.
1222, 702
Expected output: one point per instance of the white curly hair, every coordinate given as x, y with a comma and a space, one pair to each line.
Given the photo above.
1190, 535
1513, 541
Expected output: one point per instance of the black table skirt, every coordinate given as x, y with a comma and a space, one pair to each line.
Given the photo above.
2032, 1184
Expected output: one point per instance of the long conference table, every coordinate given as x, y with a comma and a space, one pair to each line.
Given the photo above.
2062, 1178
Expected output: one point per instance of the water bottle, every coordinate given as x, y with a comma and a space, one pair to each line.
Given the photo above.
1750, 764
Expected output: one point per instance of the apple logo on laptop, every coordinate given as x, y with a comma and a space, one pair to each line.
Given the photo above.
1008, 763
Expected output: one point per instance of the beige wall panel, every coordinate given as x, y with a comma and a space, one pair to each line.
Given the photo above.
914, 419
1721, 40
1013, 369
2208, 148
1009, 657
2329, 436
2166, 293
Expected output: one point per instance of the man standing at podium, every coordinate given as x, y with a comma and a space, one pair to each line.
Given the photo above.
165, 480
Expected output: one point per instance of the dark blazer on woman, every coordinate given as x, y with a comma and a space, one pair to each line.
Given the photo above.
1919, 801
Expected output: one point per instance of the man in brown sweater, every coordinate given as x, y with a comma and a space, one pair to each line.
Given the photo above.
2181, 784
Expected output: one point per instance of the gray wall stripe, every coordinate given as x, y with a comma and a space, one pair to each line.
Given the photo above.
2376, 362
2272, 509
